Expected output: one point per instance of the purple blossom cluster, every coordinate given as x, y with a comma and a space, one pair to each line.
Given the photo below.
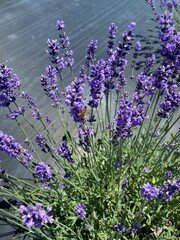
96, 83
60, 25
166, 193
50, 85
84, 134
149, 63
64, 44
80, 210
9, 145
125, 184
60, 57
117, 164
75, 96
169, 189
113, 29
48, 119
120, 228
137, 49
40, 139
53, 51
144, 88
170, 41
9, 82
127, 117
169, 174
44, 173
35, 111
59, 54
134, 229
35, 216
170, 4
171, 101
151, 3
165, 76
16, 113
90, 51
65, 152
117, 62
149, 192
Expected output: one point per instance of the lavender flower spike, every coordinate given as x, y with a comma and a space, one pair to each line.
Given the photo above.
65, 152
9, 82
120, 228
35, 216
91, 57
9, 145
75, 96
132, 25
149, 192
44, 173
60, 24
80, 210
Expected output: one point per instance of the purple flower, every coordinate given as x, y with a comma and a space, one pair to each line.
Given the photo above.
144, 88
75, 97
67, 174
35, 216
128, 116
146, 169
138, 226
132, 25
112, 35
53, 51
151, 3
40, 139
9, 145
65, 152
124, 184
138, 46
149, 192
150, 61
80, 210
50, 85
44, 173
113, 29
171, 102
169, 174
133, 230
96, 83
60, 24
120, 228
169, 189
117, 164
48, 119
127, 161
65, 52
9, 83
171, 5
36, 114
91, 57
35, 111
16, 113
128, 36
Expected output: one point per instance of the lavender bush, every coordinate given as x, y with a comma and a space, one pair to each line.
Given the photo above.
116, 175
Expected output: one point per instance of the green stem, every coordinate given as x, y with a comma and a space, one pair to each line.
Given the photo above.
25, 134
